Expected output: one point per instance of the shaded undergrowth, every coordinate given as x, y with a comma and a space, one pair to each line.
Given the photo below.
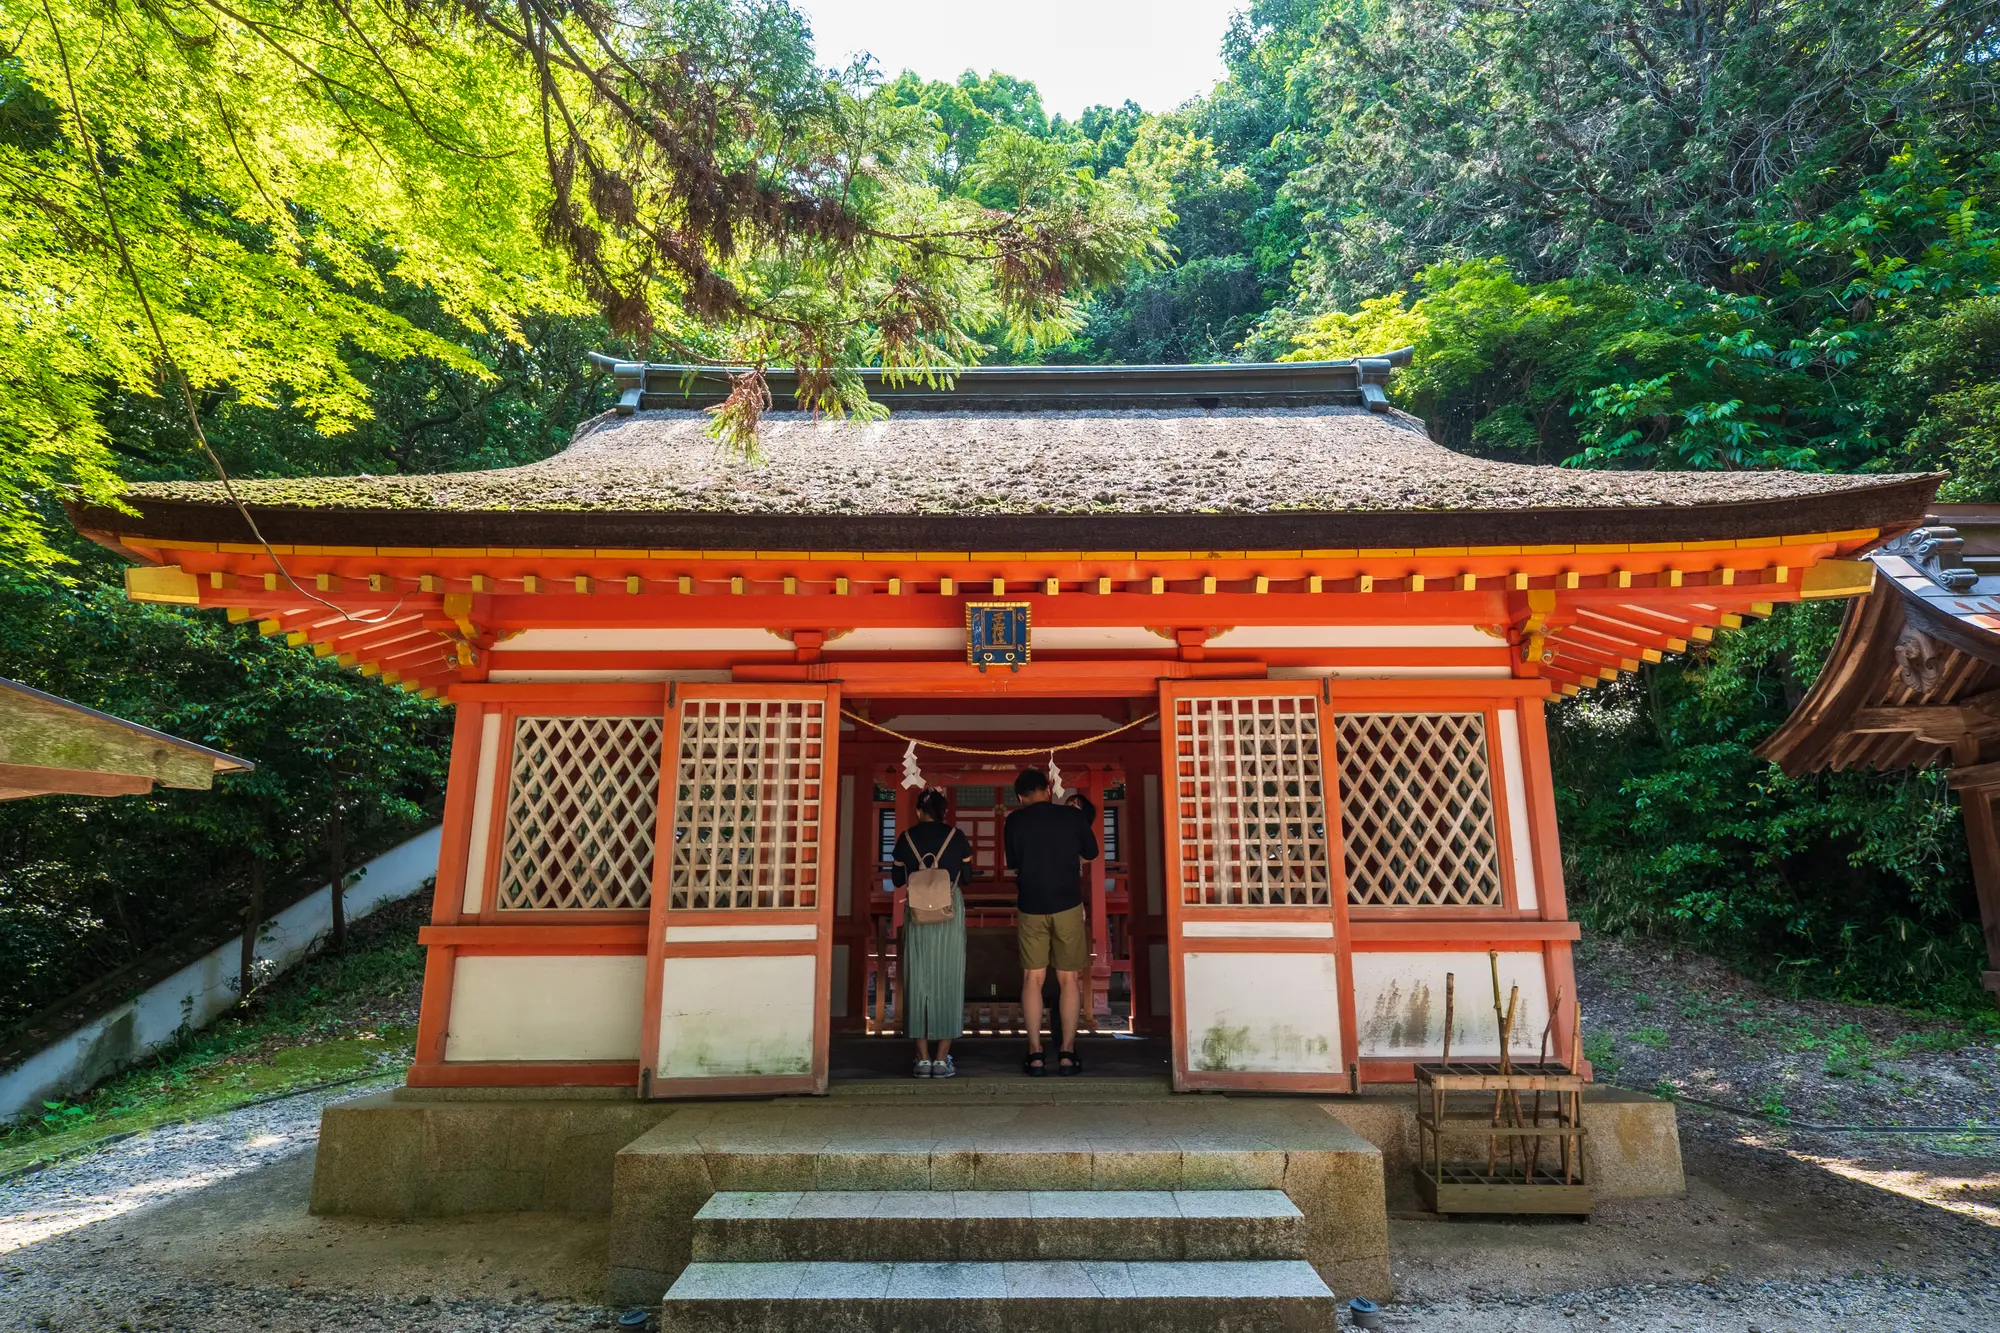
333, 1016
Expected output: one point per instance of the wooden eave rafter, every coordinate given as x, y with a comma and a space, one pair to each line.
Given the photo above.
425, 618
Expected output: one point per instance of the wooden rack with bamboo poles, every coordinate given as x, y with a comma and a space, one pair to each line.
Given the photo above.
1534, 1157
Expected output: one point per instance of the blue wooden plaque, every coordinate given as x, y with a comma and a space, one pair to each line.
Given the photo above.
996, 634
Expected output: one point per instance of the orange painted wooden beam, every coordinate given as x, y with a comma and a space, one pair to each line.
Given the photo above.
1646, 636
436, 1074
766, 610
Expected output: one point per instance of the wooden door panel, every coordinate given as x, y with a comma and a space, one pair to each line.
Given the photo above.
739, 955
1257, 940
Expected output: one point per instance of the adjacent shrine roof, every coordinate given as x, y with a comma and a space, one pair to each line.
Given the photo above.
1030, 458
50, 745
1915, 675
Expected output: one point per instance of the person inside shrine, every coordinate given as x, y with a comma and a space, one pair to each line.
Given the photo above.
1047, 844
933, 951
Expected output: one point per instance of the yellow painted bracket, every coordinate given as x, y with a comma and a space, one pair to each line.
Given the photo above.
168, 584
458, 606
1837, 578
1534, 630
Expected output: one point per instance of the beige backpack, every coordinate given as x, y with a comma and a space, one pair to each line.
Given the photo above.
930, 886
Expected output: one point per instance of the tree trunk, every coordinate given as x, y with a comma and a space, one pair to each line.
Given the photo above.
337, 867
253, 917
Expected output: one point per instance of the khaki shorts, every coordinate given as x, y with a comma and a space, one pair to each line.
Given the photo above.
1057, 941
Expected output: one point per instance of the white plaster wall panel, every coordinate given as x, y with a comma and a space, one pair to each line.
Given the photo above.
1257, 930
482, 814
843, 872
1399, 1004
1354, 636
909, 639
1069, 638
1081, 722
736, 1017
1518, 824
1391, 672
1160, 1004
638, 674
743, 933
1271, 1013
546, 1008
641, 640
199, 993
1100, 638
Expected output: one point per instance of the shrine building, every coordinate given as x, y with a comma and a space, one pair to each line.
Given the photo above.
1308, 648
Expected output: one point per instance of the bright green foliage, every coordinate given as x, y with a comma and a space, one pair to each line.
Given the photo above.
964, 113
335, 1016
1848, 884
87, 884
1220, 165
261, 213
1579, 140
242, 194
1725, 237
1865, 346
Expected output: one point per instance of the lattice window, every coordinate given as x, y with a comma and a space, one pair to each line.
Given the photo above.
747, 804
1417, 810
582, 808
1251, 806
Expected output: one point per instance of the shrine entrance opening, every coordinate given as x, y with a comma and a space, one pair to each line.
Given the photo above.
1122, 888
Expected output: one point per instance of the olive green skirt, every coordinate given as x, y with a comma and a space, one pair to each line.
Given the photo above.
934, 976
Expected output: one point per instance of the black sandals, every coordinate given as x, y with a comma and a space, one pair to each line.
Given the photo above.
1067, 1063
1036, 1065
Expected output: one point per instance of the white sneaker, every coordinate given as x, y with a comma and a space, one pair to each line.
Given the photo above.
944, 1068
926, 1069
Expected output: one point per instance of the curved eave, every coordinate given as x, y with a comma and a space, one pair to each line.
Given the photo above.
1862, 654
1891, 506
1861, 672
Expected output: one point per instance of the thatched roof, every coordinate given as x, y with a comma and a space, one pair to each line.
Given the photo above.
1052, 469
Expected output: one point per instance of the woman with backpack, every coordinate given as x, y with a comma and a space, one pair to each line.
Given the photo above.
931, 859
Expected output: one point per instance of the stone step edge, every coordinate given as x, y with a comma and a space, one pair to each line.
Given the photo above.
735, 1206
1210, 1279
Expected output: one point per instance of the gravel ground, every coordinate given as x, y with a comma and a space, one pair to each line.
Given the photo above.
160, 1165
1887, 1304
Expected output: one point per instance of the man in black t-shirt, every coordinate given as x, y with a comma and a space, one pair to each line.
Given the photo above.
1047, 845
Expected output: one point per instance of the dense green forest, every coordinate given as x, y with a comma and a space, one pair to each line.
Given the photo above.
1640, 235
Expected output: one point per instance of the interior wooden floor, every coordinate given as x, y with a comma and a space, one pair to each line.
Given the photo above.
857, 1058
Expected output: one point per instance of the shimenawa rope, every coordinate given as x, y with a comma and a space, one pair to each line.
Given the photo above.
1000, 754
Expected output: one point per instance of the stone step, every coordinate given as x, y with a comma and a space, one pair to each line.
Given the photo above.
1044, 1297
995, 1226
663, 1178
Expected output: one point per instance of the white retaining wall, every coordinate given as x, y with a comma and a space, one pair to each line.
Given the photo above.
205, 989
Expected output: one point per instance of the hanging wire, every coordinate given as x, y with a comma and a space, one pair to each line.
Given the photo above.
89, 147
1000, 754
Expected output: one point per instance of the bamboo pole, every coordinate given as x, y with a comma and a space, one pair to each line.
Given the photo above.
1507, 1067
1437, 1096
1542, 1067
1450, 985
1576, 1096
1500, 1018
